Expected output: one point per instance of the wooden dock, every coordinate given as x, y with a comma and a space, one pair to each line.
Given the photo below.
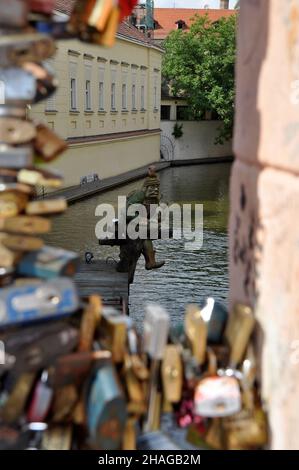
101, 277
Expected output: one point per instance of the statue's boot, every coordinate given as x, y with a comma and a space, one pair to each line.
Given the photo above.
149, 255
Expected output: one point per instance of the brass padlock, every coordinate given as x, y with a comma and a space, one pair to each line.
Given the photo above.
113, 329
57, 438
239, 328
13, 408
172, 374
197, 332
16, 49
47, 144
8, 258
90, 320
64, 404
26, 225
51, 206
15, 131
34, 177
21, 243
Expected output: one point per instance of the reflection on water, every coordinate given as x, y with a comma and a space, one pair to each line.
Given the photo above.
188, 276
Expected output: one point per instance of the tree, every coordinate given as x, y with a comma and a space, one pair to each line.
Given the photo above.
199, 65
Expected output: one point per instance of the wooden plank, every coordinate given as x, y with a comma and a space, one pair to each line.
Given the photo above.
101, 278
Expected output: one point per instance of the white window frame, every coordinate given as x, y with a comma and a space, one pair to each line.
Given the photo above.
124, 97
113, 96
73, 94
101, 96
87, 95
134, 97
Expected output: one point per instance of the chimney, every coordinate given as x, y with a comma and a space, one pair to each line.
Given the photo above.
224, 4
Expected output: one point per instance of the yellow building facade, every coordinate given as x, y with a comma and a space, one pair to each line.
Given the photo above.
107, 106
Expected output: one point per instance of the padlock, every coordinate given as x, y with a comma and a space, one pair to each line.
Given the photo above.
12, 410
90, 320
39, 347
48, 263
20, 243
26, 225
156, 329
214, 437
113, 329
52, 299
20, 86
15, 157
57, 438
34, 434
45, 81
196, 331
129, 441
8, 258
44, 7
16, 188
8, 176
215, 315
16, 131
8, 208
47, 144
100, 14
50, 206
13, 14
218, 394
105, 410
40, 177
64, 403
16, 49
108, 37
15, 196
157, 440
172, 373
18, 112
74, 368
239, 328
6, 276
41, 399
133, 385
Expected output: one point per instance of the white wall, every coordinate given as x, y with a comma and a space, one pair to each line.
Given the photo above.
198, 140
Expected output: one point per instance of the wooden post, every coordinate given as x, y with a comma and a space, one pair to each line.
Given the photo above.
264, 220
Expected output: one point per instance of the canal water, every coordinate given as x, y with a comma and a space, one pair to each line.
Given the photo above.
188, 276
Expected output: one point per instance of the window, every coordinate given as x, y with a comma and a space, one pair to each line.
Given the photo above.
113, 96
165, 113
183, 113
142, 97
155, 96
73, 94
133, 96
124, 96
87, 95
101, 96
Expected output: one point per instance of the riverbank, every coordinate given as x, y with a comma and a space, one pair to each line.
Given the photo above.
79, 192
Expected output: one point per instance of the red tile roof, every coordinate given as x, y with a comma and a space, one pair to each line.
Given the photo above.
166, 18
126, 30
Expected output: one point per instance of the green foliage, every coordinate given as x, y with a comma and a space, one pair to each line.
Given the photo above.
177, 130
199, 65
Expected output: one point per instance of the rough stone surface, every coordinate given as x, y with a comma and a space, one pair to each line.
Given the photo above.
267, 116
